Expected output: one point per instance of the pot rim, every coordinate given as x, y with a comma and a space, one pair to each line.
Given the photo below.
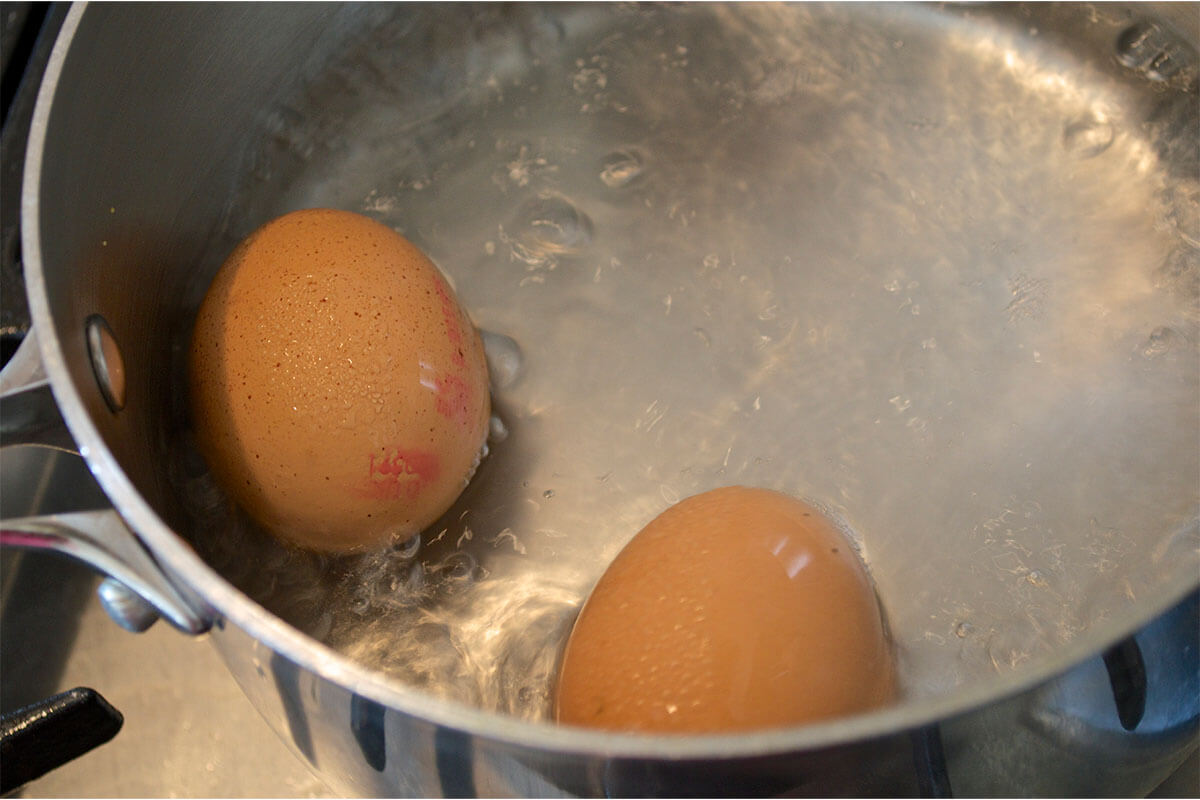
174, 553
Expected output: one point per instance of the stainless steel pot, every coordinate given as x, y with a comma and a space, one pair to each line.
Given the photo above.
932, 268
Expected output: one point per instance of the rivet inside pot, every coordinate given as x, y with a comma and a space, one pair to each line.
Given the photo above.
107, 364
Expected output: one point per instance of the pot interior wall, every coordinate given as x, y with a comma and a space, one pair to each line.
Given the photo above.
932, 270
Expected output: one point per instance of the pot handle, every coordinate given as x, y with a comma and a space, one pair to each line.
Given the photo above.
30, 413
136, 591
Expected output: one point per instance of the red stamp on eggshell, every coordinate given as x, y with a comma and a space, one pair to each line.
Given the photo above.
450, 317
454, 399
400, 474
454, 394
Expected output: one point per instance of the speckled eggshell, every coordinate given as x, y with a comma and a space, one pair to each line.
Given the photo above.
734, 609
339, 391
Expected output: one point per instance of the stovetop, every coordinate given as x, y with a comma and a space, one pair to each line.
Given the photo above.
188, 732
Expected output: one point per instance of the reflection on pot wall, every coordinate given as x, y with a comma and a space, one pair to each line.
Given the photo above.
1064, 736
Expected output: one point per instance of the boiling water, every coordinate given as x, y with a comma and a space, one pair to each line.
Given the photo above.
917, 267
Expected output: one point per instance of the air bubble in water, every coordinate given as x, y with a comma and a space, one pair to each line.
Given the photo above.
460, 566
621, 168
550, 225
405, 547
1153, 51
497, 430
1182, 212
503, 357
964, 629
1160, 341
1088, 136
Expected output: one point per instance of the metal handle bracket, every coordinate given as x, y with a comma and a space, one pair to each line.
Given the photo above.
101, 539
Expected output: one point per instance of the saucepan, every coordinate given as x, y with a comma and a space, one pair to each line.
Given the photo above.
934, 268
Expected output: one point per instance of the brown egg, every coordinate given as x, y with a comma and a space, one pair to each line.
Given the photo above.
734, 609
339, 391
